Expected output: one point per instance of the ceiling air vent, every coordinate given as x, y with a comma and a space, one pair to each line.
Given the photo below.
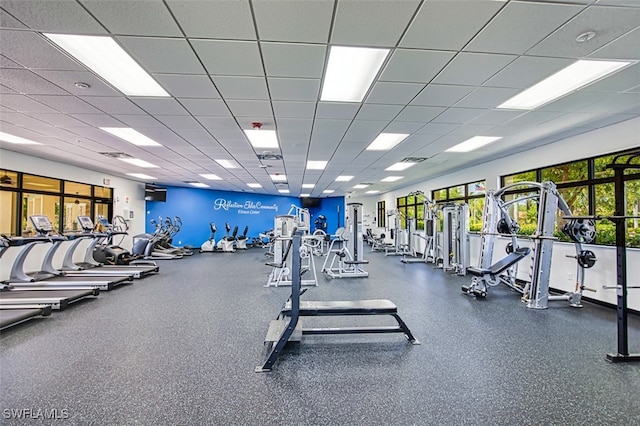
269, 156
413, 159
115, 154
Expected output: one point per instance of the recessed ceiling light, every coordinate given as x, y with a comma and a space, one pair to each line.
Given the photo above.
567, 80
360, 186
373, 191
138, 162
328, 191
316, 165
130, 135
6, 137
227, 164
402, 165
262, 138
199, 184
305, 195
254, 185
141, 176
211, 176
81, 85
391, 178
278, 178
106, 58
308, 185
350, 72
473, 143
344, 178
386, 141
283, 191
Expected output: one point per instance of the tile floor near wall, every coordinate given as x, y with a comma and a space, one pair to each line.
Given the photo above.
180, 348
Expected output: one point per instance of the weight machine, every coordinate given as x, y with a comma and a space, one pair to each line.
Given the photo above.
284, 227
400, 236
455, 238
498, 222
302, 218
347, 248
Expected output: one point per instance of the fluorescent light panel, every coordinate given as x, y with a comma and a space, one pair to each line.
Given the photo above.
130, 135
569, 79
278, 178
211, 176
227, 164
141, 176
138, 162
344, 178
402, 165
254, 185
360, 186
6, 137
350, 72
305, 195
199, 184
262, 138
283, 191
373, 191
386, 141
473, 143
391, 178
106, 58
328, 191
316, 165
308, 185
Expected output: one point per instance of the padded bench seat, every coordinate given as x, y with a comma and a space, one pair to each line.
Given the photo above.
356, 262
344, 307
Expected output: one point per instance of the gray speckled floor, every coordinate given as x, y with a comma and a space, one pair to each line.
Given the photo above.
180, 348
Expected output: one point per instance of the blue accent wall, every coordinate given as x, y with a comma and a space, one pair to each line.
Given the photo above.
198, 207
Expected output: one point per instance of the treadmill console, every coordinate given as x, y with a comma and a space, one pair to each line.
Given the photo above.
41, 224
85, 223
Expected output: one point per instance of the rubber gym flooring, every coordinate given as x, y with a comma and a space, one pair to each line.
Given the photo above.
180, 348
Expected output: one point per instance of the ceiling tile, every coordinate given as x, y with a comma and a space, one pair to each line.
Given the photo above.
624, 47
526, 71
113, 105
403, 127
292, 89
371, 23
393, 93
525, 23
28, 83
133, 17
458, 115
55, 16
378, 112
472, 69
421, 114
187, 86
244, 108
607, 22
283, 109
139, 121
221, 19
213, 107
621, 81
330, 126
284, 20
179, 121
163, 55
337, 110
441, 25
67, 79
98, 120
40, 55
242, 87
418, 66
487, 97
289, 125
232, 58
293, 59
160, 106
497, 117
441, 95
23, 104
217, 122
66, 104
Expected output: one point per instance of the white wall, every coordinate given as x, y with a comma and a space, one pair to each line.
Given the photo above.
128, 194
598, 142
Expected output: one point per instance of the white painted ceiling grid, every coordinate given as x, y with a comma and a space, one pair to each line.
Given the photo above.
227, 64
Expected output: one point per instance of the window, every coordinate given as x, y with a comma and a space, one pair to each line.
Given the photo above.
23, 195
470, 193
411, 206
382, 215
587, 187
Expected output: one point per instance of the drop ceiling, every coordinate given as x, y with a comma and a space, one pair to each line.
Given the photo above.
227, 64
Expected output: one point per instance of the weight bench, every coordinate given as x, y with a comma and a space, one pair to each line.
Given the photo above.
281, 330
493, 271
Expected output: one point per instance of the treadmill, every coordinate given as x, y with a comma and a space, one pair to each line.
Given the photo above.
29, 302
11, 315
49, 277
89, 266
